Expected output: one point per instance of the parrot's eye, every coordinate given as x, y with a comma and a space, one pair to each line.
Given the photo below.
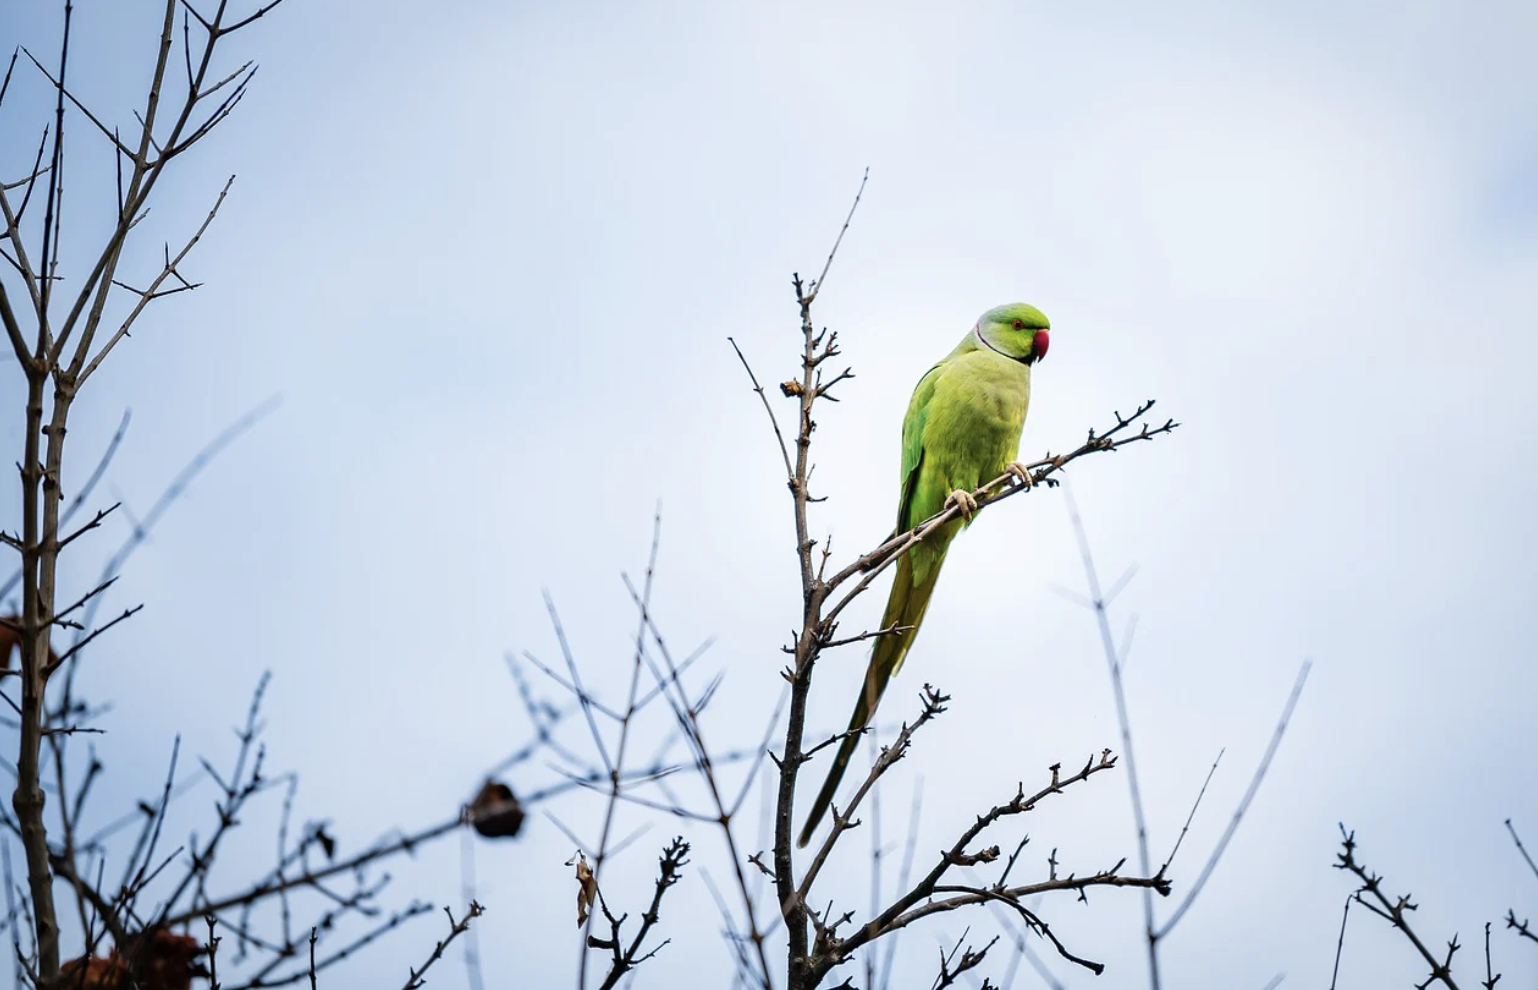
1019, 325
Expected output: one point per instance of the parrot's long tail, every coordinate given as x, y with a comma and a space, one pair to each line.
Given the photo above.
904, 607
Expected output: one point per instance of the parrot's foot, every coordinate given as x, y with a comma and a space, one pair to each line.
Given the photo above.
1021, 472
964, 501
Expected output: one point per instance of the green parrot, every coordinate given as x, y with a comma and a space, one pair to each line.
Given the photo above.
962, 430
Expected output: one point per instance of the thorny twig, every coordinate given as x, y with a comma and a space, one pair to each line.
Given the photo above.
456, 929
951, 967
921, 901
1394, 910
625, 957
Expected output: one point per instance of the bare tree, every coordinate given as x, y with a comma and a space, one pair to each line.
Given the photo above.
60, 343
137, 926
791, 932
818, 941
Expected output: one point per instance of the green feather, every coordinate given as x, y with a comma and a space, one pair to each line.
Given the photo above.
962, 429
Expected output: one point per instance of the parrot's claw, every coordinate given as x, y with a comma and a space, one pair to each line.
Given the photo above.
1021, 472
964, 501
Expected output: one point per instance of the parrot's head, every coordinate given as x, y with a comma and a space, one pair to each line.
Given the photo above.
1016, 330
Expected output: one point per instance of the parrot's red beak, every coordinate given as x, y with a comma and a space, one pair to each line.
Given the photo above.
1039, 345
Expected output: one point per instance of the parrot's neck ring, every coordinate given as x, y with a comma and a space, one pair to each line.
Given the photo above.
977, 331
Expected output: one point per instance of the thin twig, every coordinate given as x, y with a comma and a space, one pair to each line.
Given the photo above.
1189, 818
1520, 848
816, 286
1340, 943
456, 929
1244, 803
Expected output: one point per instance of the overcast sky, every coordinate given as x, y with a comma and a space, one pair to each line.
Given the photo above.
490, 255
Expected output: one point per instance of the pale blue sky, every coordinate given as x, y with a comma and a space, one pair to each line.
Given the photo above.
490, 257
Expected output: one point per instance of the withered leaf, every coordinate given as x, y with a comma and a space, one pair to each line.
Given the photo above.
165, 961
587, 888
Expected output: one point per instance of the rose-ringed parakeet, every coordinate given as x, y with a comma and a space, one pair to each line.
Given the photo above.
962, 430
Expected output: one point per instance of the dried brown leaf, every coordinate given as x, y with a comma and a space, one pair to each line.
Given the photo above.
587, 888
167, 962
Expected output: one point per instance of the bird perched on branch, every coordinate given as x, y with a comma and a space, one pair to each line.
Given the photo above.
961, 431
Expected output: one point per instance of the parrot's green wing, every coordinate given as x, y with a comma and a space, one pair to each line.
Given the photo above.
913, 443
890, 649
